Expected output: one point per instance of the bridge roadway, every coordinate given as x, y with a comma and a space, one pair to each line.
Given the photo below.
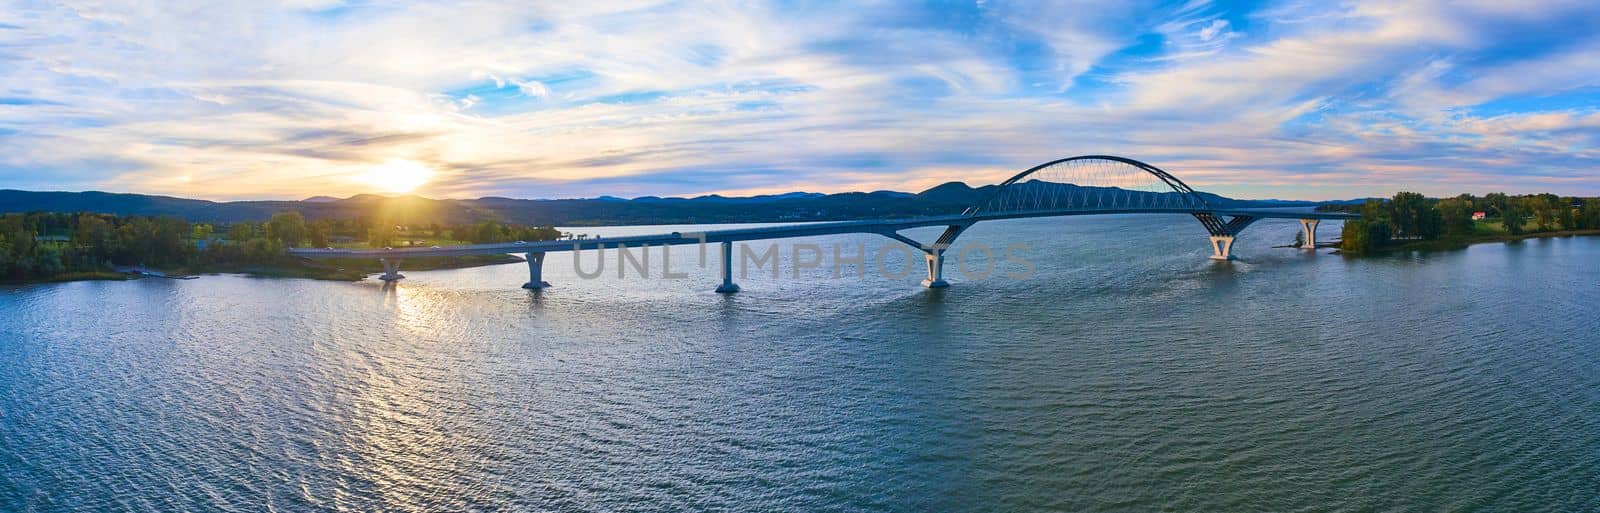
1222, 242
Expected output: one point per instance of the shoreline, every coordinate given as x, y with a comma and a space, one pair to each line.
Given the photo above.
333, 270
359, 270
1459, 243
77, 276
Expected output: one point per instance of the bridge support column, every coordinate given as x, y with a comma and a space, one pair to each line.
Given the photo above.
1308, 232
1222, 247
727, 286
536, 271
391, 270
935, 280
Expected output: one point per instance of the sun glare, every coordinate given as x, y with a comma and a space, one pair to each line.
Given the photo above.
397, 175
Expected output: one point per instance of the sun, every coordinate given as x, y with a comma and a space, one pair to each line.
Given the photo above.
397, 175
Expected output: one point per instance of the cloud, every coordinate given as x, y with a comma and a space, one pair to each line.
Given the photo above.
1212, 30
1313, 100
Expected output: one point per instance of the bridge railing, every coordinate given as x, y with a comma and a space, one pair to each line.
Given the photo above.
1085, 185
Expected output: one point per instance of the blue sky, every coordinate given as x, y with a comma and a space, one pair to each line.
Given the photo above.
1304, 100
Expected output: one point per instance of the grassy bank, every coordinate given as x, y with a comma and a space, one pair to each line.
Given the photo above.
1461, 242
76, 276
1482, 232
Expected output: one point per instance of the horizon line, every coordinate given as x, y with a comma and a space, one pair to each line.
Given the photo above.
607, 197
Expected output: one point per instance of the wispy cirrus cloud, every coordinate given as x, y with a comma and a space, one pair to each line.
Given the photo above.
1312, 100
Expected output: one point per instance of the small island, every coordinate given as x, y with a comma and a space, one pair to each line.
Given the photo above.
1410, 221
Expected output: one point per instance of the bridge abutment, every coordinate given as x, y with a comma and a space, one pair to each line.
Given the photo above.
1308, 232
1222, 247
935, 260
536, 271
727, 286
391, 270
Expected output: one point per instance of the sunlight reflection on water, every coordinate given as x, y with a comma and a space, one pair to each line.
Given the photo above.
1129, 373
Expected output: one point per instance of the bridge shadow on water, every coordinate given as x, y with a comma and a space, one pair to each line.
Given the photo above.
536, 299
389, 293
933, 301
1222, 276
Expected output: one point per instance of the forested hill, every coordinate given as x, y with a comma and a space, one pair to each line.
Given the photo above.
948, 198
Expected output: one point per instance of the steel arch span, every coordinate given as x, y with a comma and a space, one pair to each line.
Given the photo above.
1090, 182
1073, 186
1107, 183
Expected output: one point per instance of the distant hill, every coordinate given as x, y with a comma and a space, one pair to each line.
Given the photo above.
948, 198
406, 209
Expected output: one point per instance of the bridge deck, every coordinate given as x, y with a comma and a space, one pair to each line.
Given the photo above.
878, 226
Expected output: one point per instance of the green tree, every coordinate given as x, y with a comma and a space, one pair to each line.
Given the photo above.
1364, 236
1513, 216
47, 261
1375, 210
343, 227
490, 232
1430, 223
92, 231
533, 233
201, 231
1566, 215
1412, 217
1542, 210
92, 237
363, 226
261, 251
287, 229
6, 260
380, 235
1590, 216
318, 232
1496, 202
241, 232
1455, 215
20, 245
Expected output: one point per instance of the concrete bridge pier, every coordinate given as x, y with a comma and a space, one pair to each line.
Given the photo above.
727, 286
536, 271
1308, 232
391, 270
935, 259
1222, 247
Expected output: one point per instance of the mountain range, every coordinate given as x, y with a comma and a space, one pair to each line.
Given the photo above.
948, 198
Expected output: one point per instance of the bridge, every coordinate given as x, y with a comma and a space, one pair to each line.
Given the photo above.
1075, 186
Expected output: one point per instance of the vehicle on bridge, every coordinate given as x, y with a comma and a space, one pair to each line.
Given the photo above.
1074, 186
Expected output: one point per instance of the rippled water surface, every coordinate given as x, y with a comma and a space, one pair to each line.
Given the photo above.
1128, 373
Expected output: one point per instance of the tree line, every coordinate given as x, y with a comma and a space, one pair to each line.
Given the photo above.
45, 245
1410, 216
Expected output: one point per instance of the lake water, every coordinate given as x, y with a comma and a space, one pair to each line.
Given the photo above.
1128, 373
